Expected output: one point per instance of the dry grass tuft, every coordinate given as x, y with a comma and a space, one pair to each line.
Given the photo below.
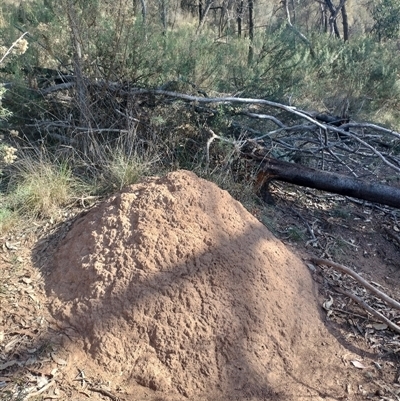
40, 188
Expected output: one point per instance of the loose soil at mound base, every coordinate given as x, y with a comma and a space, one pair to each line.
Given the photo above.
173, 285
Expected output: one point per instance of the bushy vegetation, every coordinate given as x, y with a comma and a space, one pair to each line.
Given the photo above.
110, 48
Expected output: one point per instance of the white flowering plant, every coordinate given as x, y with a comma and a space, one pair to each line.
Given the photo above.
8, 153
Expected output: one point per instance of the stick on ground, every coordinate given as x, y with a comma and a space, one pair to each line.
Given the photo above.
366, 284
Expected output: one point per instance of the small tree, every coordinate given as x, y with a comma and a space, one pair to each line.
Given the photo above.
386, 15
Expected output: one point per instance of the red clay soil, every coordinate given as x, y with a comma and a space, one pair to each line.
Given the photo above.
172, 285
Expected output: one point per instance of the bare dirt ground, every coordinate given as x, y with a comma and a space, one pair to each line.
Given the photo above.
171, 290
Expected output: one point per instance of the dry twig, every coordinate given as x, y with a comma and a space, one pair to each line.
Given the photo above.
357, 277
105, 393
372, 311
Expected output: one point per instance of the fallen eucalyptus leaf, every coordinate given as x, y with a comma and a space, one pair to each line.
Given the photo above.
41, 382
11, 344
380, 326
57, 360
311, 267
328, 303
358, 365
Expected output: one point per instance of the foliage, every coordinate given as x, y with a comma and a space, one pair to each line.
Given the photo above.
359, 77
386, 16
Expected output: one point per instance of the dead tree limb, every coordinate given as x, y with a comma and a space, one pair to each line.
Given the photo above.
274, 169
372, 311
384, 297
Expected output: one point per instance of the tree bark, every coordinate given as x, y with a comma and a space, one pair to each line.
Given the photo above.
239, 17
345, 23
332, 18
273, 169
200, 11
164, 15
144, 11
251, 31
204, 15
324, 18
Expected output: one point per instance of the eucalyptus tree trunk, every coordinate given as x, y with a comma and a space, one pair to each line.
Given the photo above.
144, 11
204, 15
239, 19
164, 14
333, 18
251, 31
345, 23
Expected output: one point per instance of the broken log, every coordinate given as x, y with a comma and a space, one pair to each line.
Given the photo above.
273, 169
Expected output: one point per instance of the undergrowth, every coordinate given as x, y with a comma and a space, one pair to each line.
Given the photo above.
39, 188
358, 78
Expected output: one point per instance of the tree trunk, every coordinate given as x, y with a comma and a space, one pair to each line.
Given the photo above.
239, 17
332, 18
144, 11
204, 15
251, 31
293, 12
164, 15
345, 23
200, 11
295, 30
334, 27
273, 169
324, 18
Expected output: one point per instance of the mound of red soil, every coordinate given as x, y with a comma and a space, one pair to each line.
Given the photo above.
174, 285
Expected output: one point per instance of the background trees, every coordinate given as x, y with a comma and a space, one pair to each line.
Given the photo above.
386, 16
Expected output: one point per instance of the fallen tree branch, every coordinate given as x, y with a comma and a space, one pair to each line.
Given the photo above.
293, 173
384, 297
373, 126
264, 117
379, 154
42, 390
49, 124
114, 86
325, 142
228, 99
56, 88
290, 109
372, 311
